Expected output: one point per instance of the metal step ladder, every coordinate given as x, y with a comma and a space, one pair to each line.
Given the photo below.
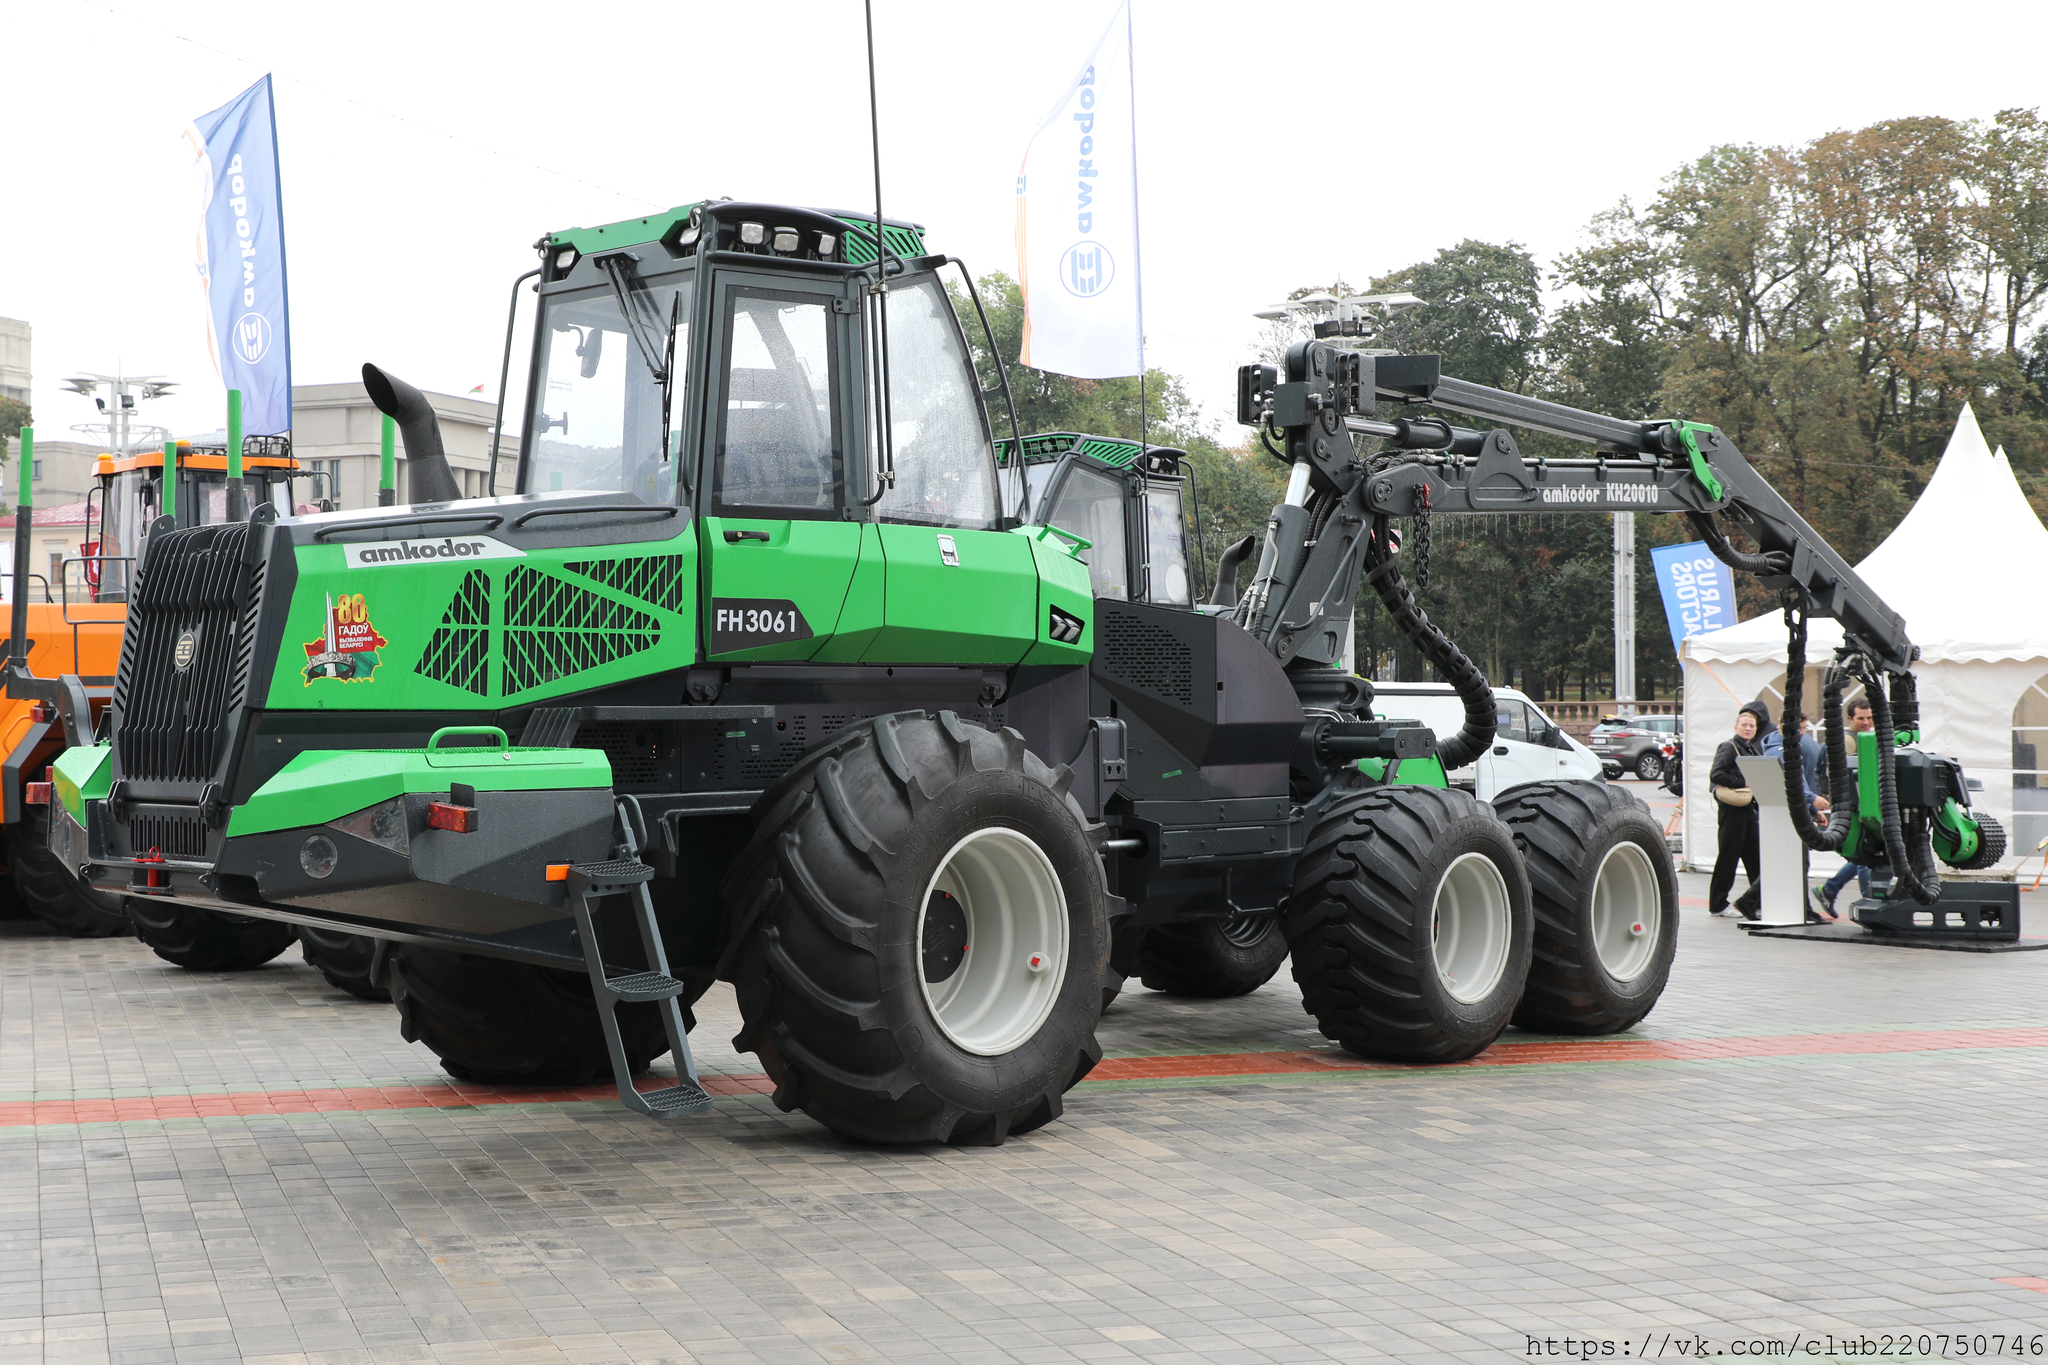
627, 875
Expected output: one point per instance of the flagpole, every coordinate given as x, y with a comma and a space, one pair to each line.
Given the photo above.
1137, 240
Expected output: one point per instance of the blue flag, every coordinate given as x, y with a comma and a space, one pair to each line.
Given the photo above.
1698, 590
241, 256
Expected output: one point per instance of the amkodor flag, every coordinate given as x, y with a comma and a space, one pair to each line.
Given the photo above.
241, 256
1077, 223
1698, 590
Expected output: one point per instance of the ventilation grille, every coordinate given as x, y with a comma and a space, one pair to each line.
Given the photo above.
1146, 657
635, 750
664, 580
554, 629
174, 722
173, 836
458, 653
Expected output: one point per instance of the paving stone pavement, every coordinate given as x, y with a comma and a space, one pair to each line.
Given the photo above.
1443, 1214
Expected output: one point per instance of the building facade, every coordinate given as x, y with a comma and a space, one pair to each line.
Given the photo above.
14, 359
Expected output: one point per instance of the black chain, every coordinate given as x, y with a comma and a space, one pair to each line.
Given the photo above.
1422, 543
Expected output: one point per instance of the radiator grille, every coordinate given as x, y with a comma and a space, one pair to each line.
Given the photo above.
458, 653
174, 721
554, 629
1146, 656
173, 836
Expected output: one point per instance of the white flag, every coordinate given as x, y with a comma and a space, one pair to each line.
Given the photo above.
1077, 223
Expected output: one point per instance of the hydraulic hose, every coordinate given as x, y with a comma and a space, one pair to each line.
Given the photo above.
1481, 717
1763, 565
1917, 874
1841, 815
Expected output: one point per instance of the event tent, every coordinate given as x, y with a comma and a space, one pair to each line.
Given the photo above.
1963, 568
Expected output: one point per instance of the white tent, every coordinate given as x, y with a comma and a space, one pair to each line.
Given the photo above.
1964, 568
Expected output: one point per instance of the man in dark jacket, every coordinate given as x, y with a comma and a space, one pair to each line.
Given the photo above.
1739, 839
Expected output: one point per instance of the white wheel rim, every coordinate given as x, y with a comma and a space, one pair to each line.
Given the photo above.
1016, 912
1470, 925
1628, 915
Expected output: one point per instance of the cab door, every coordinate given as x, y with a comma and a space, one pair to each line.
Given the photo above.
779, 552
956, 589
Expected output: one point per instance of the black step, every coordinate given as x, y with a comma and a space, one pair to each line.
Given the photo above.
676, 1100
614, 872
644, 986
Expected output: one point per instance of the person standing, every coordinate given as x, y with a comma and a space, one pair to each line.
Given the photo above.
1860, 722
1735, 807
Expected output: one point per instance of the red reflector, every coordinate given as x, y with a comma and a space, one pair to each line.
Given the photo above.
41, 714
449, 816
38, 794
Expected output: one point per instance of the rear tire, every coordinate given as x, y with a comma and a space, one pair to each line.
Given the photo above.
207, 940
1212, 958
1606, 903
56, 897
1409, 923
886, 846
1650, 767
344, 959
490, 1019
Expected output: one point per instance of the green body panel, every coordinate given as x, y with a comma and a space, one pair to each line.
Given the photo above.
1408, 772
810, 563
328, 784
1063, 583
82, 773
1868, 825
982, 610
860, 620
434, 635
1956, 836
907, 242
1108, 450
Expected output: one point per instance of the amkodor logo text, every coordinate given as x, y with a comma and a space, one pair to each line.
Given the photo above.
381, 553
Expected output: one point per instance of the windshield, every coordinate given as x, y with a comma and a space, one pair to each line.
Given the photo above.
598, 419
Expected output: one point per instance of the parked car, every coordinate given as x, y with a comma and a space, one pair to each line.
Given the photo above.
1635, 743
1529, 746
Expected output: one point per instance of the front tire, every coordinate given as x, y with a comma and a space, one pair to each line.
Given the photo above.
492, 1019
54, 896
925, 933
1606, 903
1409, 923
344, 959
207, 940
1212, 958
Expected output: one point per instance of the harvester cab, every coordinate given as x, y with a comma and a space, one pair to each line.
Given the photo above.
770, 671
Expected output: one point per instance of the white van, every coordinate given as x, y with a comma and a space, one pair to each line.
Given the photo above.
1529, 746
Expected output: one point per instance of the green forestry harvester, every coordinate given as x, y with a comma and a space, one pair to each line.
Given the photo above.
778, 668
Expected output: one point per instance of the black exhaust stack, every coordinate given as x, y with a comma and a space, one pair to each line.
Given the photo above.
432, 480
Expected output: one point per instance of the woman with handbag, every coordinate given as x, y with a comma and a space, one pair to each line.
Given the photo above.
1735, 804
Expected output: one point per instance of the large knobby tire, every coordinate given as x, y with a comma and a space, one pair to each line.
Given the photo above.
207, 940
1212, 958
344, 959
1990, 843
1409, 923
54, 896
494, 1020
1124, 942
1606, 902
922, 934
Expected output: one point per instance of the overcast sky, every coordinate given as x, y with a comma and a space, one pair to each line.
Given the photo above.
425, 146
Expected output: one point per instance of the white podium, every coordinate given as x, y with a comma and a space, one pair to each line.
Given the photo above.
1781, 862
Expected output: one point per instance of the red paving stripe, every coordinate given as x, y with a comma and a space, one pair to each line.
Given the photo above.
361, 1099
2039, 1286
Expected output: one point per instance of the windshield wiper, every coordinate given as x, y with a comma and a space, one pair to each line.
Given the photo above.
636, 304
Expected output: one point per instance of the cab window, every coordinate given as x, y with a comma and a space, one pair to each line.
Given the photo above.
598, 406
945, 463
1091, 505
1166, 547
1514, 721
779, 447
